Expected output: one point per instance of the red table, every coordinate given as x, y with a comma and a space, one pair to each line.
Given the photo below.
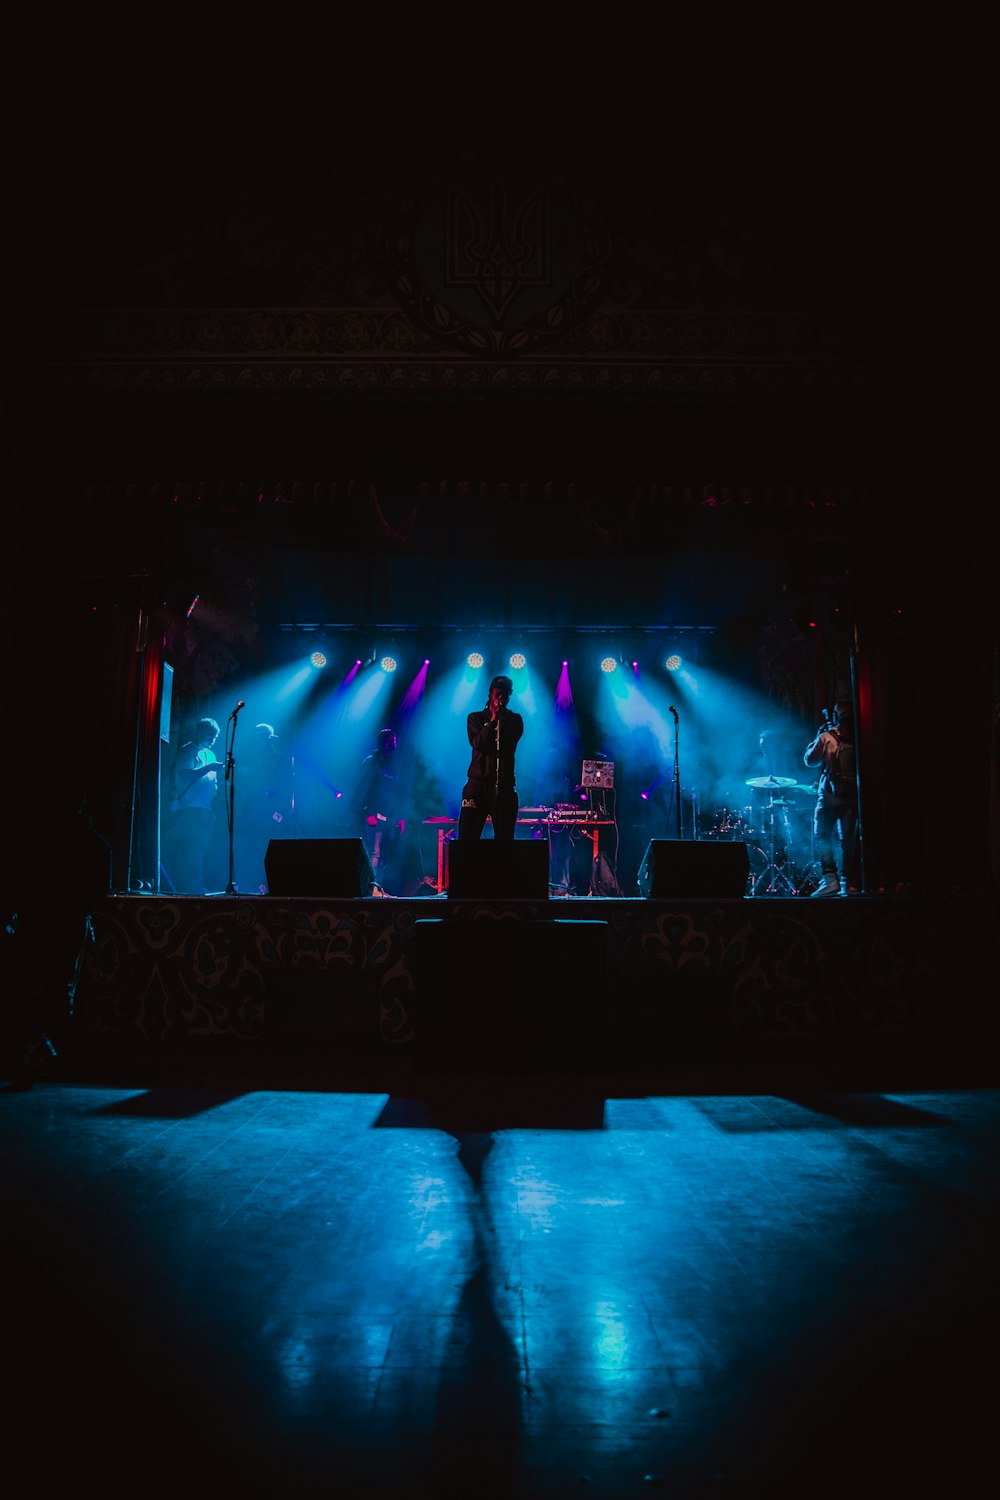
542, 818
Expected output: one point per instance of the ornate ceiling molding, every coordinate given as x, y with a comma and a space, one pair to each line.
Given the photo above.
477, 516
372, 336
357, 351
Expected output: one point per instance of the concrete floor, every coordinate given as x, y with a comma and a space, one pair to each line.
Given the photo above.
497, 1287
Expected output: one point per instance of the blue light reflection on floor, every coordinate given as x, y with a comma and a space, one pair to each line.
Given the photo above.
678, 1285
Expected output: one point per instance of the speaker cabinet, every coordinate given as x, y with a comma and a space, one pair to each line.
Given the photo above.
318, 867
510, 996
674, 870
486, 869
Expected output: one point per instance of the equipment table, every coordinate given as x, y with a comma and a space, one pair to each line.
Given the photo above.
535, 817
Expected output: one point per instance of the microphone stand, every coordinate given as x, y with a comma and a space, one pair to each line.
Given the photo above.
230, 783
677, 774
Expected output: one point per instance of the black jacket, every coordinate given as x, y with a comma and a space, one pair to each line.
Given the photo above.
483, 739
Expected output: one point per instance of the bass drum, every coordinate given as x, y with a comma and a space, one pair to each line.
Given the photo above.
757, 858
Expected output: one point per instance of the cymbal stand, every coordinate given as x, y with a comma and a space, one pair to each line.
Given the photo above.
771, 879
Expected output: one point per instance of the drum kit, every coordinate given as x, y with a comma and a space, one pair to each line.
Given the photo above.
766, 827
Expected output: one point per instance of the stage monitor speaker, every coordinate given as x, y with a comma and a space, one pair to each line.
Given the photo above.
484, 869
674, 870
318, 867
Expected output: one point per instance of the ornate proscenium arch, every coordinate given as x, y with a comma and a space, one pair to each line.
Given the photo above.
496, 256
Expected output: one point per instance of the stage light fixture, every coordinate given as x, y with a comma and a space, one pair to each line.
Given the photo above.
517, 660
673, 663
474, 659
609, 664
318, 660
388, 664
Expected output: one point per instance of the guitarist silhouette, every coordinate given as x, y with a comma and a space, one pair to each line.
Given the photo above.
379, 805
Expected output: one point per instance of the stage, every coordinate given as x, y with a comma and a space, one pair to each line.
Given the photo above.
586, 984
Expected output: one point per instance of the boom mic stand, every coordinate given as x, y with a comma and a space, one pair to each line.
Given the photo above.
677, 773
231, 789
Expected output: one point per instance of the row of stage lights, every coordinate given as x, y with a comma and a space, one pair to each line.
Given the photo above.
319, 660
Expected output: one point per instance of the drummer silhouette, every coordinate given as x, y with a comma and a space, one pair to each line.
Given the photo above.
771, 752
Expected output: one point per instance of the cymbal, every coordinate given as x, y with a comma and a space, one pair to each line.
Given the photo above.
771, 781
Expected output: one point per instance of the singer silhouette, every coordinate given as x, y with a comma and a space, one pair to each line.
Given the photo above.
490, 790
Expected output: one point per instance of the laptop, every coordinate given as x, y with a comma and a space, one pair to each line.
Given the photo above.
598, 773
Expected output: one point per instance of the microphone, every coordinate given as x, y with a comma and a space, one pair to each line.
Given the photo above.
674, 712
241, 704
